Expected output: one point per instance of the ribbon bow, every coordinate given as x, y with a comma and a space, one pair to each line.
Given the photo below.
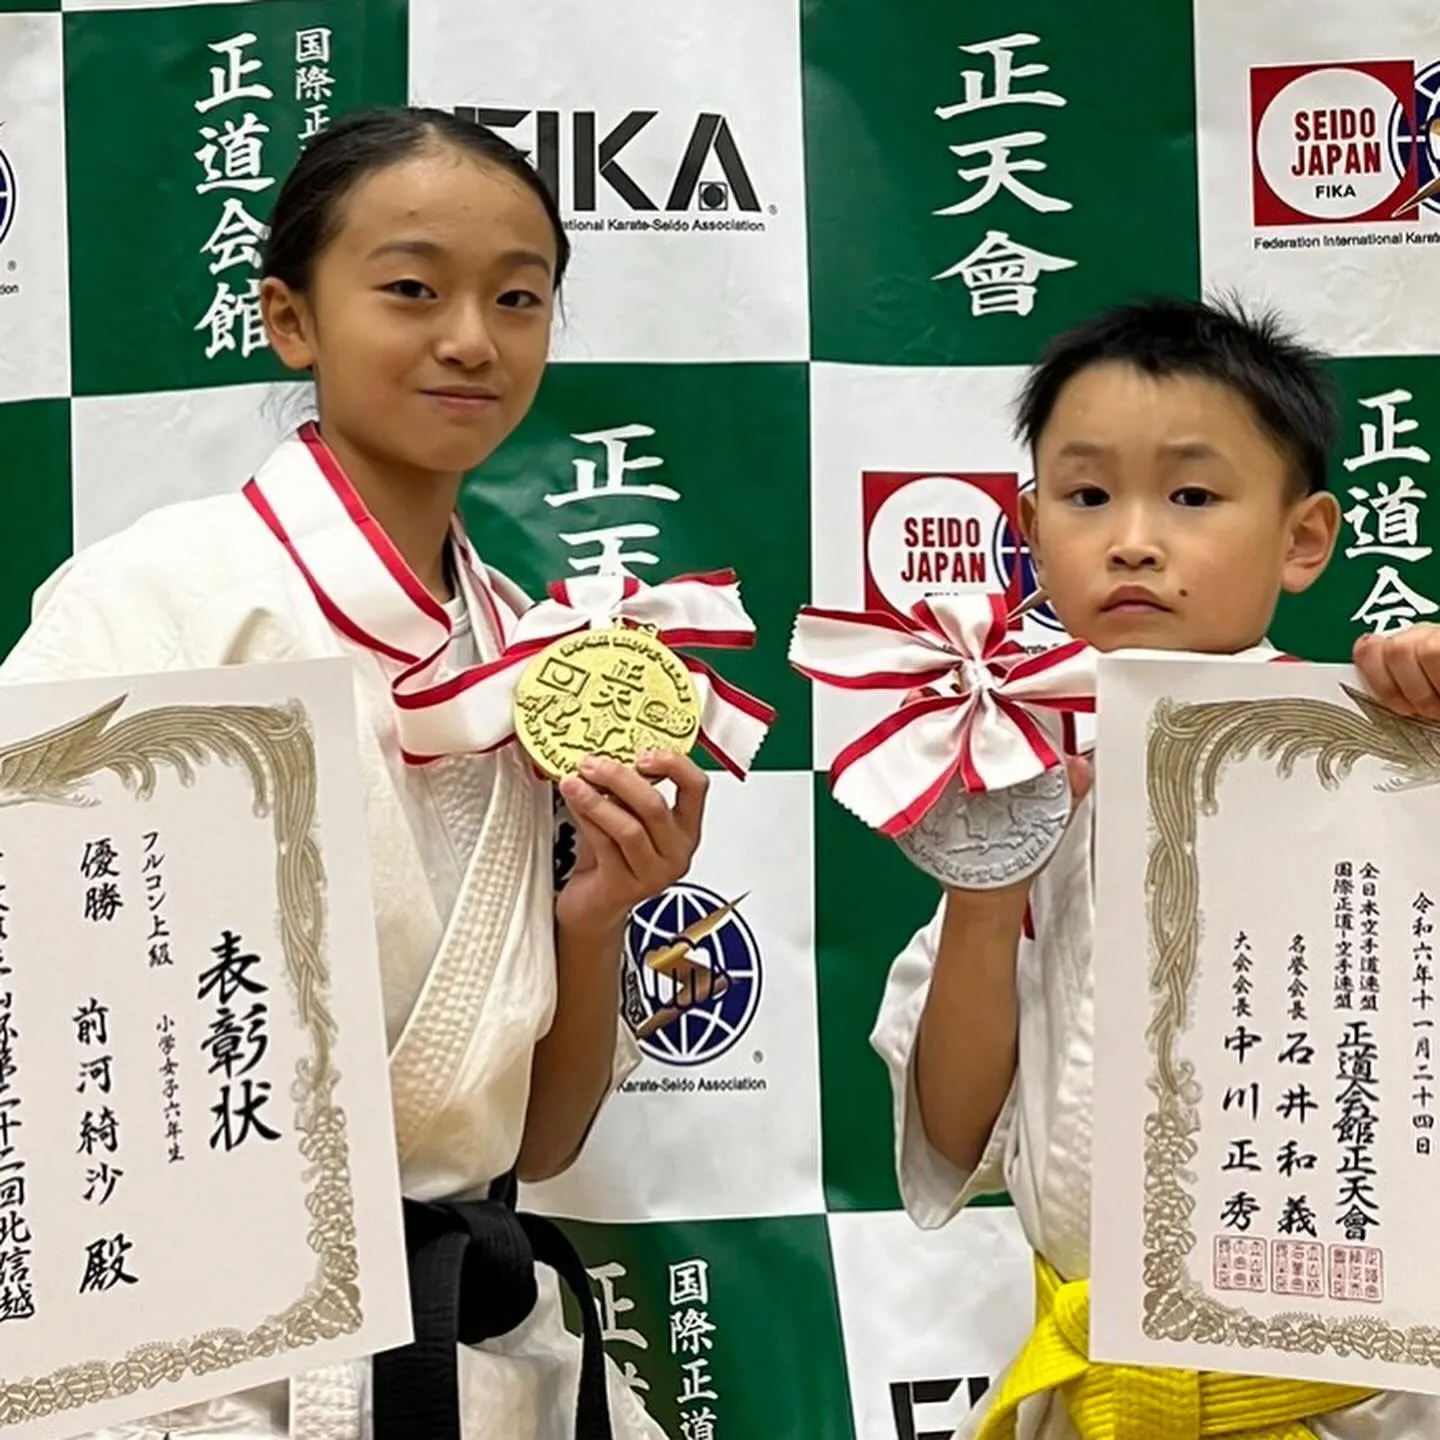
694, 610
968, 693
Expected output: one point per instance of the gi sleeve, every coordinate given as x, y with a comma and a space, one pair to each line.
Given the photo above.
933, 1189
98, 614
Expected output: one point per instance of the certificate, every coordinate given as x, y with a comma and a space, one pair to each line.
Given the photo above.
1265, 1147
198, 1187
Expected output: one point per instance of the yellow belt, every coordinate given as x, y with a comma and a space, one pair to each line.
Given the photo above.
1126, 1402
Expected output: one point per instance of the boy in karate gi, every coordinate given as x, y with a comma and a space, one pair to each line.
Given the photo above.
1180, 457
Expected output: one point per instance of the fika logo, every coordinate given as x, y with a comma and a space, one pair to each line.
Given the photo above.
708, 174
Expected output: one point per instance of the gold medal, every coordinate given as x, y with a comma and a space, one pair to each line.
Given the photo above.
609, 692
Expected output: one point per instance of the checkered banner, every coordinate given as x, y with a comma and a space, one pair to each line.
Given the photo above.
816, 244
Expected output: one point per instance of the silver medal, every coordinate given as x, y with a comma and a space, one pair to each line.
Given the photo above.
998, 837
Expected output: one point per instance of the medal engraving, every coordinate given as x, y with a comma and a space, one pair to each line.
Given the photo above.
604, 692
984, 841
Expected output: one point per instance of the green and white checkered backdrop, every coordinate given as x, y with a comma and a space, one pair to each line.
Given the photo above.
816, 243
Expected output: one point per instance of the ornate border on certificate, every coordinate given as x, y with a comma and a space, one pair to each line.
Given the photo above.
275, 746
1188, 748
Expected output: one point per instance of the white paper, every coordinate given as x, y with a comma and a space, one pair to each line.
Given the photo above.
217, 932
1245, 922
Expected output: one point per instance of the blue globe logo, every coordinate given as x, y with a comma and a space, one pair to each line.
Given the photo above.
7, 196
1009, 551
1424, 142
691, 979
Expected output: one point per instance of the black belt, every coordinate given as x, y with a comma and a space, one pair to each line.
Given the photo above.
472, 1278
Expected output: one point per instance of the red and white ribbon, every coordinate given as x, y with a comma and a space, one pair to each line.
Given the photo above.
370, 595
970, 701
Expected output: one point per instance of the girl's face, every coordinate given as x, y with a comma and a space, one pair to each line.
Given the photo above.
427, 320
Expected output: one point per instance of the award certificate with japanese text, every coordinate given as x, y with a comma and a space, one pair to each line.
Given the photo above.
1266, 1158
198, 1182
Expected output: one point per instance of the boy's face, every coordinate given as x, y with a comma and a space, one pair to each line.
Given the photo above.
1163, 516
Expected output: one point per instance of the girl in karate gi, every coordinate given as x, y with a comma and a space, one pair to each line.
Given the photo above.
412, 269
1180, 458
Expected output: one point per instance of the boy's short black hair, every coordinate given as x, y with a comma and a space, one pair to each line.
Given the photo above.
1253, 354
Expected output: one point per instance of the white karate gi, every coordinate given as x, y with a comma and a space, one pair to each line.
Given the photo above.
1039, 1149
461, 859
